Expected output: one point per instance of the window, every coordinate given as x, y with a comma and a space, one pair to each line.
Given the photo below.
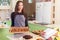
30, 1
39, 0
4, 4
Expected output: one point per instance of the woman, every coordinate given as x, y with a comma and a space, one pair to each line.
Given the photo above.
19, 18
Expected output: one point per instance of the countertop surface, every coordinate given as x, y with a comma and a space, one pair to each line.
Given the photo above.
20, 36
4, 32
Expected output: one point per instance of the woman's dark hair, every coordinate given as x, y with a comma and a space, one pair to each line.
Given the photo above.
16, 9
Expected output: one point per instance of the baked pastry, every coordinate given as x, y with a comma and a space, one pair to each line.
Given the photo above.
19, 29
39, 39
38, 32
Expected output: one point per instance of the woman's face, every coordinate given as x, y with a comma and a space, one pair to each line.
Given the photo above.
20, 7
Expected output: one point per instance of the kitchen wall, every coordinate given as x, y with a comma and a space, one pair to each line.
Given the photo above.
57, 11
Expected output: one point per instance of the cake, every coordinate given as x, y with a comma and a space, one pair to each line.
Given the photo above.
27, 37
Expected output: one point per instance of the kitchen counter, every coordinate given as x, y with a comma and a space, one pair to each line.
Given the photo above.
20, 36
36, 27
4, 32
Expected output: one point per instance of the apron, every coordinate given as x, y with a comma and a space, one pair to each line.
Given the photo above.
19, 21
